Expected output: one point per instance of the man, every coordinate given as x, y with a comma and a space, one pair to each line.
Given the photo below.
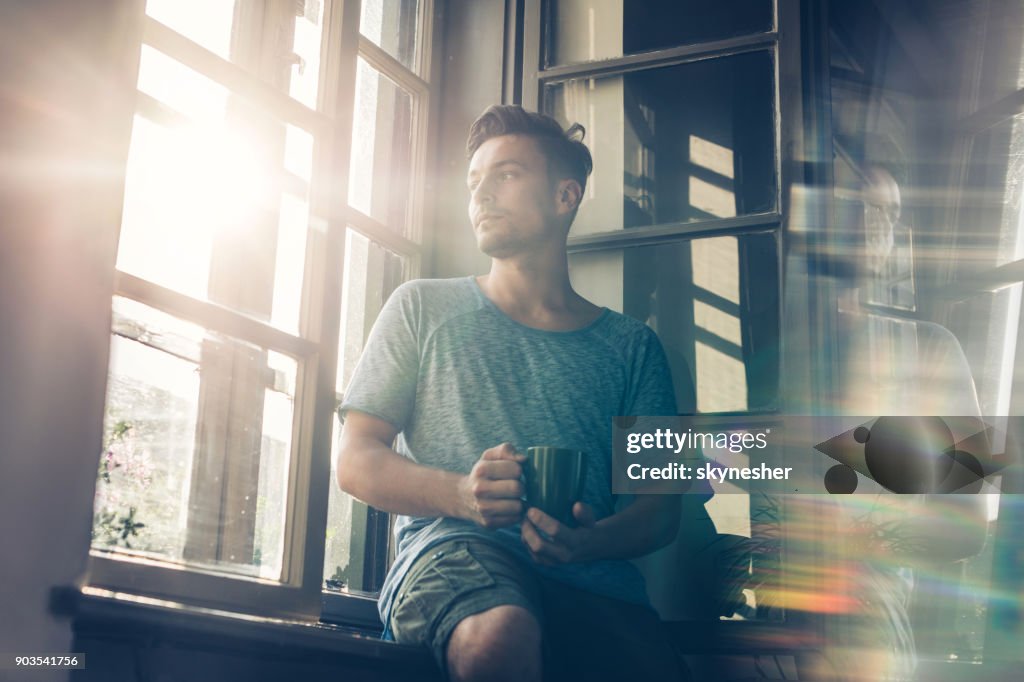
892, 367
469, 372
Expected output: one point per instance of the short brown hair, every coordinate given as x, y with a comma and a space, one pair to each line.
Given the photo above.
564, 150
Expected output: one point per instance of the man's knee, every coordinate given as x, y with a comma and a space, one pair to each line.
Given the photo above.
496, 644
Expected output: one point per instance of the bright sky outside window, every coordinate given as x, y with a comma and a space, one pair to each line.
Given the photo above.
205, 416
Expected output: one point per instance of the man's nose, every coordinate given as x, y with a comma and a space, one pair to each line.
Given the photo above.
482, 195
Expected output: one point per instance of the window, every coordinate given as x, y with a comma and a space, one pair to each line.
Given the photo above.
957, 154
681, 223
273, 200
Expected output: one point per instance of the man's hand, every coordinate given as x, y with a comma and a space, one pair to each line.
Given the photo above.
552, 542
491, 494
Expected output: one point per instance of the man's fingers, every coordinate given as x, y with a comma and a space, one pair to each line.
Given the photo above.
499, 469
503, 451
496, 489
546, 523
543, 550
584, 514
532, 538
501, 507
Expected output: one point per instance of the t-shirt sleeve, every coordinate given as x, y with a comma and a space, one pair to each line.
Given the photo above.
383, 383
652, 393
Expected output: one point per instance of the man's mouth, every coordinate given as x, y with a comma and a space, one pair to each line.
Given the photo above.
482, 218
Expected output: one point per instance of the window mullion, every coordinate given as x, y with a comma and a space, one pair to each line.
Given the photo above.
382, 234
642, 236
658, 58
380, 60
211, 315
322, 300
233, 76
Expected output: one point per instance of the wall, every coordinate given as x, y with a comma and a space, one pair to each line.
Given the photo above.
64, 117
472, 62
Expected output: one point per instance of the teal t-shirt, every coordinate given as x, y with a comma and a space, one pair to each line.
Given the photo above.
457, 376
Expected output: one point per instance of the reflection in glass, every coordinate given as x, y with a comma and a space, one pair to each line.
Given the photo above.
372, 273
675, 144
188, 476
707, 301
393, 26
379, 180
587, 30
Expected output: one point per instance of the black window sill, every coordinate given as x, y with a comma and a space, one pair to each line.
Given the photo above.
104, 613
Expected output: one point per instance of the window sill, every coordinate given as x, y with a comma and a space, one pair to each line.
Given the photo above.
107, 613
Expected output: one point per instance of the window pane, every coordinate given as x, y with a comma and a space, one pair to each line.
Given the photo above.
587, 30
393, 25
243, 33
186, 91
993, 196
381, 169
676, 144
708, 302
1001, 71
305, 70
217, 210
207, 22
198, 445
371, 274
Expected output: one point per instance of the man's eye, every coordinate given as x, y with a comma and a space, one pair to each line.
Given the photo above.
507, 175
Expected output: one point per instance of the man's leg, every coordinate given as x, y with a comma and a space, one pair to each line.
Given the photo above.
502, 643
590, 637
476, 607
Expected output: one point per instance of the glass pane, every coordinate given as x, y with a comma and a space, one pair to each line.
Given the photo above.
200, 215
676, 144
708, 302
1001, 72
371, 274
207, 22
198, 446
587, 30
186, 91
242, 34
381, 168
305, 70
993, 197
393, 25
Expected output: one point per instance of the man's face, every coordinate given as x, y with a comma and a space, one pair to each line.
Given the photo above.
512, 202
882, 205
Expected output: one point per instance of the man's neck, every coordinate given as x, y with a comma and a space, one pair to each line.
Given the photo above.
535, 291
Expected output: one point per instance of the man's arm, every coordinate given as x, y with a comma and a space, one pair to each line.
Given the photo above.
371, 471
648, 524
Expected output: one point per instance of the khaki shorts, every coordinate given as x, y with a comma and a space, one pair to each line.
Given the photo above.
584, 635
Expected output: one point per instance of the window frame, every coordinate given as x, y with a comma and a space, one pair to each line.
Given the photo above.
538, 78
299, 593
785, 50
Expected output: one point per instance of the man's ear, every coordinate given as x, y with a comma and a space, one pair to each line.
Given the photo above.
568, 196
